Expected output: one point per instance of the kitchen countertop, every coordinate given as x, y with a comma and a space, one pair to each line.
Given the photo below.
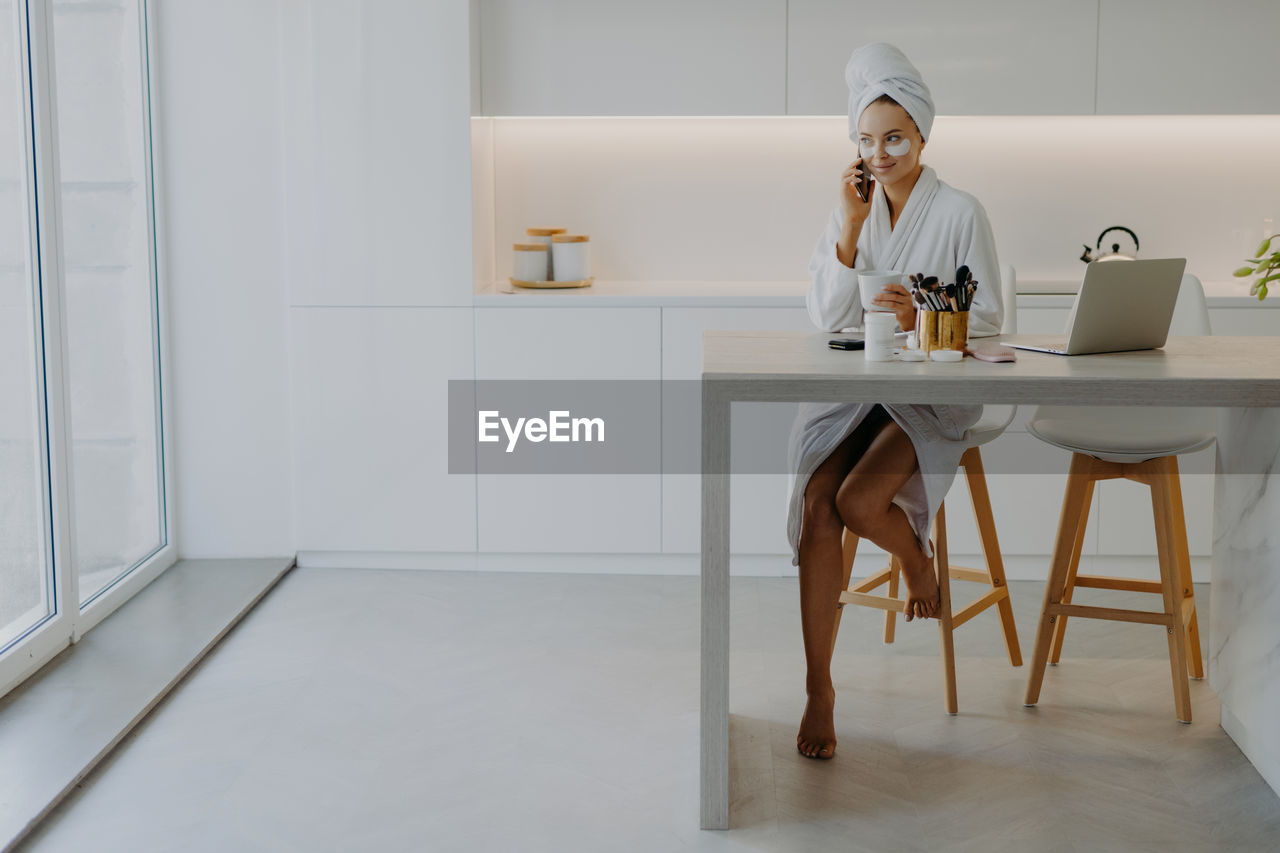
782, 294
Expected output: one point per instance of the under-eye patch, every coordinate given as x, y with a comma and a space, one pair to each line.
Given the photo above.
898, 148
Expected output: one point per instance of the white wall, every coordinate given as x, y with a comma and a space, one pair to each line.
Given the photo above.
375, 111
217, 106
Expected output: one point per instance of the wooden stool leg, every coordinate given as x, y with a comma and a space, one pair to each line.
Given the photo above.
891, 616
1055, 649
1171, 580
976, 477
945, 628
1195, 660
850, 546
1078, 479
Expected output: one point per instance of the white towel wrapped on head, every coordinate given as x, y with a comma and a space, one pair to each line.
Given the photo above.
881, 69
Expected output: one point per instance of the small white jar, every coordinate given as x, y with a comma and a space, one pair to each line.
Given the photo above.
530, 262
543, 236
878, 329
570, 257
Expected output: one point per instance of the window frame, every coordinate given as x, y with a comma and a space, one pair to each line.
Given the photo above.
69, 621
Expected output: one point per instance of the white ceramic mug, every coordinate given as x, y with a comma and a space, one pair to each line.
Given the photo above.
871, 282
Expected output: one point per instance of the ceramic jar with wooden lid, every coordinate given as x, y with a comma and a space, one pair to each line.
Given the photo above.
543, 236
570, 260
531, 261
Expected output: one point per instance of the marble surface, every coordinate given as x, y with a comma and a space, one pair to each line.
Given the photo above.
1244, 635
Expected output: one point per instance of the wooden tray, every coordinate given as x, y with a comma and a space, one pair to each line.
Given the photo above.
584, 282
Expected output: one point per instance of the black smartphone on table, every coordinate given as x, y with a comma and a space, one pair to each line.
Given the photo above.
847, 343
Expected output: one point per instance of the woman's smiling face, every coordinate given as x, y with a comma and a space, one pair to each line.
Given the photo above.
889, 141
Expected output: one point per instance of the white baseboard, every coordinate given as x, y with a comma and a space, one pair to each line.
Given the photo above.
1017, 566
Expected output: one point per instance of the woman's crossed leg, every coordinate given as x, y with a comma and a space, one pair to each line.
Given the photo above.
853, 487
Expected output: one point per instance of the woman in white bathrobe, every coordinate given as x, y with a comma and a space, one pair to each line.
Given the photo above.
880, 470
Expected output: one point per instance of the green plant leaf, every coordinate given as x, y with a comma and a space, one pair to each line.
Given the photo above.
1270, 278
1263, 246
1262, 292
1242, 272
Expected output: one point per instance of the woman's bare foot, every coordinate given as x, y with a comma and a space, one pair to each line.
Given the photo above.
817, 737
922, 588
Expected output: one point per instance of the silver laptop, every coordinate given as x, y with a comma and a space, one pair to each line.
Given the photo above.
1122, 305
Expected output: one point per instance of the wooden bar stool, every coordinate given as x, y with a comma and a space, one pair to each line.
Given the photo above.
993, 576
1179, 613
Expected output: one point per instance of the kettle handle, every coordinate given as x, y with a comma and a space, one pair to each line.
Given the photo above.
1119, 228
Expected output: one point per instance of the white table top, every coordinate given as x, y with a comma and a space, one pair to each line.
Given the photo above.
1187, 371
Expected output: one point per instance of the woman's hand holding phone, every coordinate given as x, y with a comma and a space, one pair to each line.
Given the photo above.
855, 181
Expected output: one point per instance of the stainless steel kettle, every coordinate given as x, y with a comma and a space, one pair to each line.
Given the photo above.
1115, 254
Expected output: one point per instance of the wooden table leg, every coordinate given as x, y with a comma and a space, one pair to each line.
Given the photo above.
714, 753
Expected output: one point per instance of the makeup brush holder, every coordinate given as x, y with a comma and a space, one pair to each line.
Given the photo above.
944, 330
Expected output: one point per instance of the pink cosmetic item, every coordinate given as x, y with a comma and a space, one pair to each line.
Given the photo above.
992, 352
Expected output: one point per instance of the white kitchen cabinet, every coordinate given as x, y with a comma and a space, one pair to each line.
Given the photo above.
569, 513
663, 57
757, 500
1041, 321
375, 107
370, 443
1187, 57
1255, 319
994, 57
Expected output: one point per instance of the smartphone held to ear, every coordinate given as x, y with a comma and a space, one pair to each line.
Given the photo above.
864, 181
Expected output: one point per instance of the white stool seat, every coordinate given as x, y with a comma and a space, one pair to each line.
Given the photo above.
1124, 433
994, 421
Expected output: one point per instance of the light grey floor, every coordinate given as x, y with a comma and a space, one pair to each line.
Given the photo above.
443, 711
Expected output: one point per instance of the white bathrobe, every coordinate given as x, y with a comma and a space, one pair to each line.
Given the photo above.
939, 229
